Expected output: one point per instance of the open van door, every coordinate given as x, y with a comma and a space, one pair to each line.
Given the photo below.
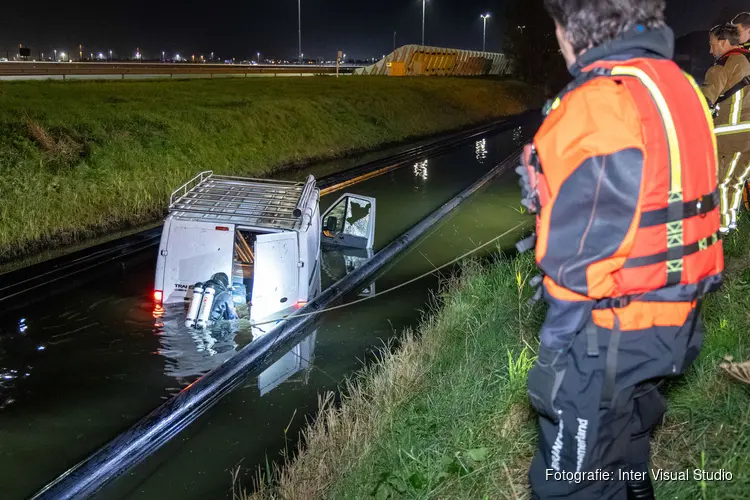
275, 285
350, 222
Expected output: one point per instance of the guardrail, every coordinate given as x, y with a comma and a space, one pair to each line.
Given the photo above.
123, 71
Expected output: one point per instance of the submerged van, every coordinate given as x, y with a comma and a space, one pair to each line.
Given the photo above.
265, 235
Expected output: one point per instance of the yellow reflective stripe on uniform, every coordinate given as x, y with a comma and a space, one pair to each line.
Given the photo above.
732, 129
736, 107
737, 198
723, 187
675, 163
707, 112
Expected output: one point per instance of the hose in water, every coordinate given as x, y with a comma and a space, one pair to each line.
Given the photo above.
433, 271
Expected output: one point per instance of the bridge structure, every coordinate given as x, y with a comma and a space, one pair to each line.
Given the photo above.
422, 60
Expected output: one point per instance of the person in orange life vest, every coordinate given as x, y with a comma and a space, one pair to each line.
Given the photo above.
622, 178
726, 90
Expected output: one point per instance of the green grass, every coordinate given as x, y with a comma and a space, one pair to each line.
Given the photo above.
447, 415
78, 159
708, 423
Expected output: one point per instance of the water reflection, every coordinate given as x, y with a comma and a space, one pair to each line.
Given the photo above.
17, 351
518, 136
480, 149
190, 353
420, 169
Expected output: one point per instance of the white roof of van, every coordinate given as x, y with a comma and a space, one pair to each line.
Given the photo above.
243, 201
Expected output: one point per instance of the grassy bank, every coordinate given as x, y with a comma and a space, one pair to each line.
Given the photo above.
81, 158
446, 415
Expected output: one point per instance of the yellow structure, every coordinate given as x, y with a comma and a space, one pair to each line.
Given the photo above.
420, 60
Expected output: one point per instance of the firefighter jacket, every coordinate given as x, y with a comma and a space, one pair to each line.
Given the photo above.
726, 88
626, 167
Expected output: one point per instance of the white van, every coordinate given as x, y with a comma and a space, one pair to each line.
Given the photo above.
265, 235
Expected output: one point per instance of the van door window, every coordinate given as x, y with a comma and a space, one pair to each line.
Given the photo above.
350, 222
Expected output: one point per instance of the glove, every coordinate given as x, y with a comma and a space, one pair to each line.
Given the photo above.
528, 196
544, 381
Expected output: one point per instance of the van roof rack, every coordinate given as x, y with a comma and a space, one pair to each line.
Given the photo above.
240, 200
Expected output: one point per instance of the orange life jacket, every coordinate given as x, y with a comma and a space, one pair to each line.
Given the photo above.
672, 251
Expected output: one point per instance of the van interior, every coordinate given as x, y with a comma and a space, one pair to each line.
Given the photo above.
243, 265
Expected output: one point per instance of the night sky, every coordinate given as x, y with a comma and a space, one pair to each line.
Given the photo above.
234, 28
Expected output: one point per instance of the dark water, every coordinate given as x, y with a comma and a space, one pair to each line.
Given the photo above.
79, 367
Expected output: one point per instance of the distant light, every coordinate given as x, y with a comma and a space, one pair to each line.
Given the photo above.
40, 348
101, 56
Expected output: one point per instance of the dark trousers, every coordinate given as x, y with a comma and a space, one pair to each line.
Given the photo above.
607, 430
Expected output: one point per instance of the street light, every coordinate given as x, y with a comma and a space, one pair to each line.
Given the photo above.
299, 23
423, 7
258, 57
484, 33
55, 51
110, 55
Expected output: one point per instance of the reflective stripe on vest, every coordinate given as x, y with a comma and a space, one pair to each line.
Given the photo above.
675, 209
675, 219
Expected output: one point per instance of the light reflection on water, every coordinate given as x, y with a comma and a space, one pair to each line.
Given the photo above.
480, 149
420, 169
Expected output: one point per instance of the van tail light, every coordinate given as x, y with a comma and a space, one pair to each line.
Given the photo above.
158, 296
300, 304
222, 228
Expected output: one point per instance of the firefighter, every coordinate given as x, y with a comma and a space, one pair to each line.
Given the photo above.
742, 21
726, 90
622, 177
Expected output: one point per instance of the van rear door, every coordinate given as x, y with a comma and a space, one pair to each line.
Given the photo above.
275, 285
350, 222
195, 251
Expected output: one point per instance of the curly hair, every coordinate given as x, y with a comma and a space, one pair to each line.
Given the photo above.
742, 19
590, 23
726, 32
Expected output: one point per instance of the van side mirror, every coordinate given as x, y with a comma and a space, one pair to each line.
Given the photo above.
331, 223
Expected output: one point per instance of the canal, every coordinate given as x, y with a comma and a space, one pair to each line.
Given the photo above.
90, 360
